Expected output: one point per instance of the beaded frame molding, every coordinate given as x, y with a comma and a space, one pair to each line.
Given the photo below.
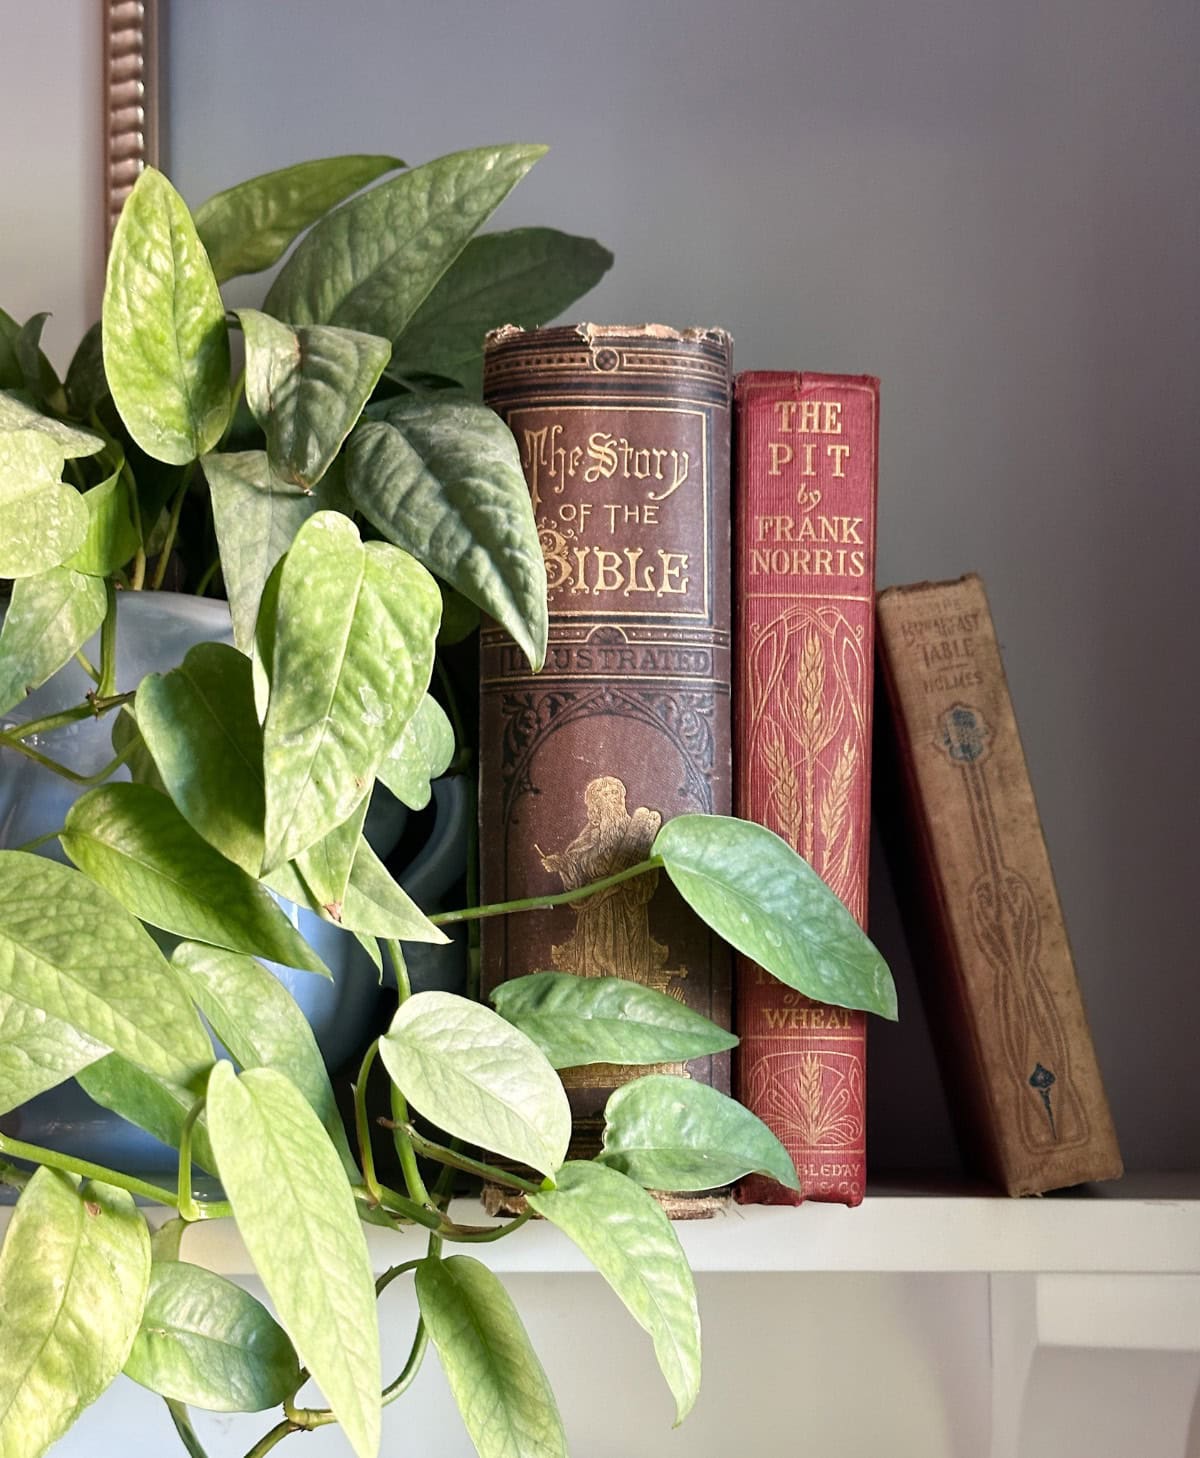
131, 98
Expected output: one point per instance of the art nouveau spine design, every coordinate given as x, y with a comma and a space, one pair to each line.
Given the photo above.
804, 620
624, 438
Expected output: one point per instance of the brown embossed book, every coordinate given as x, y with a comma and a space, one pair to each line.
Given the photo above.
807, 447
624, 437
978, 898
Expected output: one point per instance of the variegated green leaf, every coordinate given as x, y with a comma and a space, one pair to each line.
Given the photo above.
67, 947
166, 351
370, 264
307, 387
527, 276
671, 1133
73, 1277
208, 1343
495, 1376
478, 1078
49, 618
297, 1217
755, 891
419, 756
42, 519
443, 480
248, 227
625, 1234
133, 841
199, 724
352, 654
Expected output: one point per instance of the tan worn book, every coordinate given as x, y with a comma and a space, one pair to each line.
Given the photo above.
977, 894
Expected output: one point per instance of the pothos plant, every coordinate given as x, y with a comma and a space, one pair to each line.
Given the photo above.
352, 498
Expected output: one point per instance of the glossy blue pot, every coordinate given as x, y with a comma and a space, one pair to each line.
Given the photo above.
155, 630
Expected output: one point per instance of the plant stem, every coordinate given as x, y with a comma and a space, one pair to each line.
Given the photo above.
87, 665
183, 1426
464, 1162
206, 1210
397, 1204
411, 1367
164, 557
482, 1234
96, 706
362, 1123
69, 774
543, 903
32, 845
108, 643
400, 967
209, 573
188, 1208
413, 1182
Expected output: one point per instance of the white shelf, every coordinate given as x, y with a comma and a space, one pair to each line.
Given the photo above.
1144, 1224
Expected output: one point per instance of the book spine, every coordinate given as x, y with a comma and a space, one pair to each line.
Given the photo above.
979, 902
624, 437
807, 448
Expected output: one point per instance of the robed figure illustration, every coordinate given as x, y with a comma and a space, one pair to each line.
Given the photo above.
612, 927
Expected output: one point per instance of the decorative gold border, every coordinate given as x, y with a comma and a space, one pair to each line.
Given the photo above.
131, 99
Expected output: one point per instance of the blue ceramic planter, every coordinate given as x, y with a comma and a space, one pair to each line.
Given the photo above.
155, 630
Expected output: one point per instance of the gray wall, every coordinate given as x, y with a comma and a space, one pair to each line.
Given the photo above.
993, 207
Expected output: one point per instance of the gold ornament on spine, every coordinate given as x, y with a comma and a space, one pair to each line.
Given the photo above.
131, 82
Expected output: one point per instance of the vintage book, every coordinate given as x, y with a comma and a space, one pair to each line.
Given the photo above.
623, 433
978, 898
807, 448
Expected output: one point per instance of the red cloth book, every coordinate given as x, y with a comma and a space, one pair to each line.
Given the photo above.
804, 555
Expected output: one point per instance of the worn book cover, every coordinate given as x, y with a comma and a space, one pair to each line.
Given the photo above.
623, 433
806, 483
978, 898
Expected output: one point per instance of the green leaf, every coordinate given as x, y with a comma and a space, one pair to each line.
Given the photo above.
443, 480
37, 1051
49, 618
16, 415
206, 1342
256, 519
11, 377
374, 904
112, 539
133, 841
259, 1021
73, 1278
166, 352
42, 519
307, 387
37, 371
248, 227
298, 1219
353, 649
370, 264
326, 865
419, 756
495, 1376
756, 892
577, 1020
153, 1103
67, 947
199, 724
526, 276
677, 1134
86, 383
478, 1078
625, 1234
141, 766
